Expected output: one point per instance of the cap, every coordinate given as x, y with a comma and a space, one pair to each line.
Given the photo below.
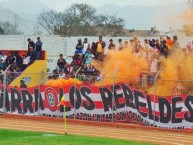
168, 35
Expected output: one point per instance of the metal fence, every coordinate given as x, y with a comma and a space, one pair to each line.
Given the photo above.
127, 99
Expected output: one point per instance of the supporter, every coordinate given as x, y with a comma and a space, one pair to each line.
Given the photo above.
10, 59
176, 45
38, 48
80, 76
131, 46
75, 57
26, 61
93, 48
164, 49
18, 70
146, 44
100, 46
61, 62
139, 45
120, 45
86, 45
55, 75
31, 55
188, 47
154, 65
131, 43
19, 59
177, 89
65, 68
22, 84
157, 45
169, 42
8, 78
69, 69
85, 70
79, 60
88, 57
61, 74
3, 56
73, 74
2, 66
79, 47
30, 44
111, 45
135, 43
126, 44
152, 43
153, 69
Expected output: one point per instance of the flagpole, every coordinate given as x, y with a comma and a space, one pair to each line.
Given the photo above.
65, 130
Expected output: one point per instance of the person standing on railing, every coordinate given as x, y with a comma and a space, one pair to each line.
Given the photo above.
30, 44
61, 63
31, 54
120, 45
86, 45
100, 49
38, 48
111, 45
79, 47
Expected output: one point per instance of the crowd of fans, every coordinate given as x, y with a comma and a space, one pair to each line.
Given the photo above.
15, 64
150, 49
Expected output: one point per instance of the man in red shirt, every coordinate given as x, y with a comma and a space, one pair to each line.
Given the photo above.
111, 45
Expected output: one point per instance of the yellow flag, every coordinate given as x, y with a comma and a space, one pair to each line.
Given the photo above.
62, 101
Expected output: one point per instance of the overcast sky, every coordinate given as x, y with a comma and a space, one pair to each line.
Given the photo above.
62, 4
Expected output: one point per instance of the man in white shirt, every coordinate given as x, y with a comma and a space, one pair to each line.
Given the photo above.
120, 45
86, 45
3, 57
61, 75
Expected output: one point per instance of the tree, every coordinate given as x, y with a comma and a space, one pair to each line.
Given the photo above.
1, 31
79, 19
7, 28
190, 3
51, 21
109, 25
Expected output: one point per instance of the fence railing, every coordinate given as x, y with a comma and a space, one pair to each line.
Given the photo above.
144, 100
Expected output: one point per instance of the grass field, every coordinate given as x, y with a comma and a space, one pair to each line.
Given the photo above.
12, 137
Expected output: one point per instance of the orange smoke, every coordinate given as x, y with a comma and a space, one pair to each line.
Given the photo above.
128, 66
63, 82
178, 67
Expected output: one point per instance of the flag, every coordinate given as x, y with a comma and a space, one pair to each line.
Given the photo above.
62, 101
